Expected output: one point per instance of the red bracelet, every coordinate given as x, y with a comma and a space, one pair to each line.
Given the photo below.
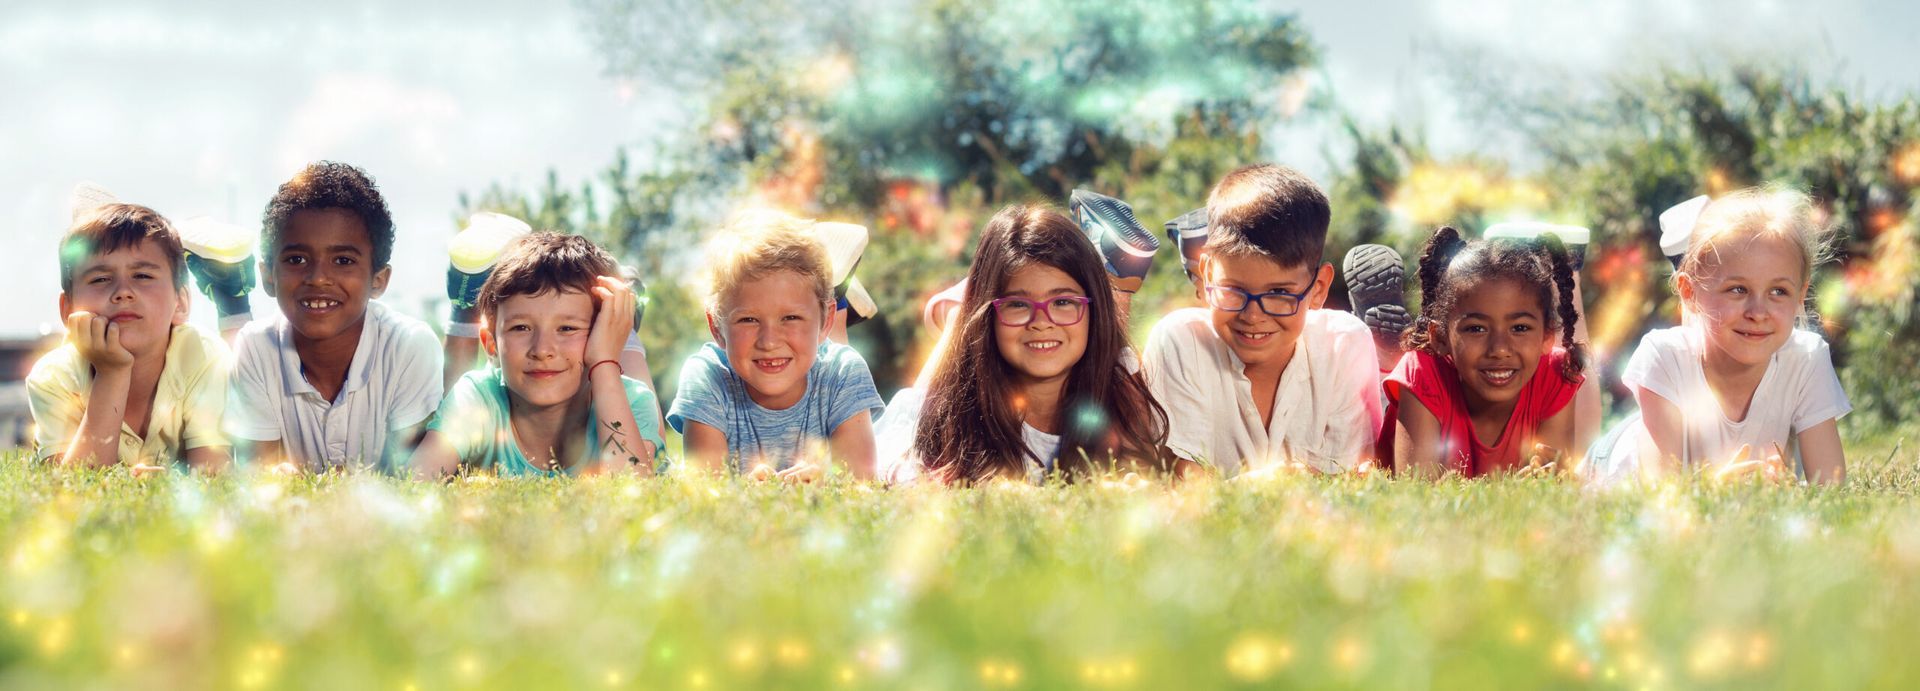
616, 365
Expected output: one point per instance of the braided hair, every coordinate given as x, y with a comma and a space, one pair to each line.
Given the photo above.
1451, 264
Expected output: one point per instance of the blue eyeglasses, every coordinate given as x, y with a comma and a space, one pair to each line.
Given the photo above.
1277, 303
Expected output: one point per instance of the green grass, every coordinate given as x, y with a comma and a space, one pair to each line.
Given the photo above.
361, 582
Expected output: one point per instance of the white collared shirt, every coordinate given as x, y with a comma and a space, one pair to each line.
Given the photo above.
393, 383
1326, 410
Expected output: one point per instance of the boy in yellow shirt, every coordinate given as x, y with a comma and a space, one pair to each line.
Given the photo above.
134, 384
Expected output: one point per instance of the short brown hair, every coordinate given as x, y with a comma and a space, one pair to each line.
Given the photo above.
542, 262
116, 227
1271, 211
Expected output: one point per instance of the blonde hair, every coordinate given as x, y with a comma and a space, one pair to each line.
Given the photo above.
760, 242
1754, 212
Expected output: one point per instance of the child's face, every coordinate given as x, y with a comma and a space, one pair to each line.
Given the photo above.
772, 329
1748, 294
1042, 350
541, 343
133, 286
322, 273
1255, 336
1496, 336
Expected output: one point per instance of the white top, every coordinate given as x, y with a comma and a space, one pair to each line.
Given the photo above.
1326, 410
894, 460
393, 383
1799, 390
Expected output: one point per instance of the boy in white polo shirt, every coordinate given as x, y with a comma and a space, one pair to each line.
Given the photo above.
1263, 377
338, 380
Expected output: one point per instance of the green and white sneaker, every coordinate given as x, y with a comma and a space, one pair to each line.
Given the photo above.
472, 253
220, 257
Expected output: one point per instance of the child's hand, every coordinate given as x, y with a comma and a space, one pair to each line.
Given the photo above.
1773, 468
144, 470
285, 468
761, 473
614, 323
1544, 461
98, 340
804, 472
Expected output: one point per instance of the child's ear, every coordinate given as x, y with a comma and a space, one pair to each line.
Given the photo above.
1684, 287
714, 329
380, 281
66, 307
266, 277
1438, 337
1322, 284
182, 307
487, 343
826, 319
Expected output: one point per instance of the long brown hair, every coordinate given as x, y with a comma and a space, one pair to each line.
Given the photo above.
970, 428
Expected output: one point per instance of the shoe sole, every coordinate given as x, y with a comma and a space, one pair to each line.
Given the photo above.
1376, 276
1126, 246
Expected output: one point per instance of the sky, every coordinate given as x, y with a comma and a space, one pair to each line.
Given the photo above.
203, 108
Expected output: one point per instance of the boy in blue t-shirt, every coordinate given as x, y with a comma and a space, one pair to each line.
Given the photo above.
556, 315
771, 389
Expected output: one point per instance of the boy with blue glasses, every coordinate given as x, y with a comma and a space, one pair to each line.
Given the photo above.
1262, 378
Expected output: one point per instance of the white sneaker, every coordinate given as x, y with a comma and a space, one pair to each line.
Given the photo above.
86, 197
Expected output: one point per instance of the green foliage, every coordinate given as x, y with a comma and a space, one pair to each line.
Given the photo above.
352, 581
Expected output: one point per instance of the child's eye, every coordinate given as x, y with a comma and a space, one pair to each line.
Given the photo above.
1738, 290
97, 280
746, 320
1780, 292
343, 261
1473, 329
1522, 328
519, 327
793, 318
294, 260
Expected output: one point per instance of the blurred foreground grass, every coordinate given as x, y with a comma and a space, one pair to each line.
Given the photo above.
361, 582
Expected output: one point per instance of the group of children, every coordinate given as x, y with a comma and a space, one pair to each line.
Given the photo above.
1033, 375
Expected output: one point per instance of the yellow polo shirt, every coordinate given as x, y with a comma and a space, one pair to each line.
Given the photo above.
187, 405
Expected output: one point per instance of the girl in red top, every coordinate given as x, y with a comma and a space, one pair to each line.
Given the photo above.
1482, 381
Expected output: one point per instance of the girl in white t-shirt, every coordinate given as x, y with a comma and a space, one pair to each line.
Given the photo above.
1035, 381
1738, 374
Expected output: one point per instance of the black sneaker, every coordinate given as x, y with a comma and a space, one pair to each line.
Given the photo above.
1375, 279
1127, 248
1188, 232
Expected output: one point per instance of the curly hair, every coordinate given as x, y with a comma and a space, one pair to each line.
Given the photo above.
330, 185
1450, 265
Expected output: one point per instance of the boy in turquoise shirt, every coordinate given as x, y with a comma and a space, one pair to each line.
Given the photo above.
554, 401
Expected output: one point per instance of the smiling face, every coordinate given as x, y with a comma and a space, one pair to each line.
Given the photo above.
1496, 335
1042, 351
322, 273
1256, 337
541, 342
771, 327
134, 287
1747, 294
